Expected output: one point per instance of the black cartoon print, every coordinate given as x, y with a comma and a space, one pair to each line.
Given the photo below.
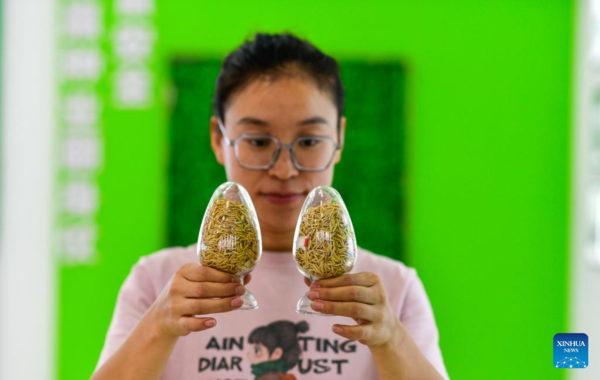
274, 350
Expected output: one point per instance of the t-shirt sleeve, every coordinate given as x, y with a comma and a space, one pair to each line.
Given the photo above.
417, 317
136, 296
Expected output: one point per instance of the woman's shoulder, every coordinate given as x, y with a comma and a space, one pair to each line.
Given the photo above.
382, 265
161, 265
395, 276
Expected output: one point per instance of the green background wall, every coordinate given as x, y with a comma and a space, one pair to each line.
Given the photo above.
486, 154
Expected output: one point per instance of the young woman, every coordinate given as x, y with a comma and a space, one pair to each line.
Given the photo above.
175, 319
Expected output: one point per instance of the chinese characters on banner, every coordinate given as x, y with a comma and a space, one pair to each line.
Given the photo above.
82, 65
133, 40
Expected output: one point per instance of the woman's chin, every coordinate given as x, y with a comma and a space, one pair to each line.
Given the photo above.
278, 223
279, 212
277, 226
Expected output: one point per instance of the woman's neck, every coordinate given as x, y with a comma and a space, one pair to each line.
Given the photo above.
277, 241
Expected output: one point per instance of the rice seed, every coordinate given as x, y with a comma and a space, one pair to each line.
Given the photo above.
230, 238
328, 250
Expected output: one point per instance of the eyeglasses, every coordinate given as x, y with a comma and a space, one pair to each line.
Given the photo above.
259, 151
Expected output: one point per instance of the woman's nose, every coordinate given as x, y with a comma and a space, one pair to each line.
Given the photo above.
284, 168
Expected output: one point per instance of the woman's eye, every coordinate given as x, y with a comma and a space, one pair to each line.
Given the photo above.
256, 350
259, 143
309, 143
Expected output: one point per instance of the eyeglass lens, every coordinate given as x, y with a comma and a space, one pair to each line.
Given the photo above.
311, 152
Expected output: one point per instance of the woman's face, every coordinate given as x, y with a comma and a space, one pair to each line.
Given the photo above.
286, 108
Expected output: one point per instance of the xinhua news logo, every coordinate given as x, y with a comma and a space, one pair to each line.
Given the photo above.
571, 351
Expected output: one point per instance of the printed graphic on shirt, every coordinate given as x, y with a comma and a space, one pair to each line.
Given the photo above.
271, 351
275, 349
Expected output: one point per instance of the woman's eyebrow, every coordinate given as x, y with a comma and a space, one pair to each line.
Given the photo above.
262, 123
253, 121
313, 120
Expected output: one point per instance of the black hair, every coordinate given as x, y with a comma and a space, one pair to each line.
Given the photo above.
282, 334
275, 55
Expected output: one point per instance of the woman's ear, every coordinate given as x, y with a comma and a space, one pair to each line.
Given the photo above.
277, 353
216, 139
338, 155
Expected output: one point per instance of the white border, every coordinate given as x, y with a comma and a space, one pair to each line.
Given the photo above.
584, 292
27, 266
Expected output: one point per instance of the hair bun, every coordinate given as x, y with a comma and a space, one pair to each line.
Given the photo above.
302, 326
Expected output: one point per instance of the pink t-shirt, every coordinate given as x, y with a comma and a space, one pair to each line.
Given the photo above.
222, 352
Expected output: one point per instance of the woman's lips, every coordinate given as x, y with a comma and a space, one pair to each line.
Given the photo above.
282, 199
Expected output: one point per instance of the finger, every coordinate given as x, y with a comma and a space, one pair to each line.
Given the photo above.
360, 294
306, 281
196, 272
193, 306
247, 279
359, 333
347, 309
356, 279
192, 289
196, 323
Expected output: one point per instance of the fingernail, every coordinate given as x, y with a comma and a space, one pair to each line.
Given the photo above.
239, 289
313, 294
317, 305
210, 323
236, 279
236, 302
337, 329
315, 286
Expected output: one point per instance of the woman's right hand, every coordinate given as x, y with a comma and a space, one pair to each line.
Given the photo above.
196, 290
193, 290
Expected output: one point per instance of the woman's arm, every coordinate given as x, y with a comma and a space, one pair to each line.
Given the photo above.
362, 297
142, 356
194, 290
402, 359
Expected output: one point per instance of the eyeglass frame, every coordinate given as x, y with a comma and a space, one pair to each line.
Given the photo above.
280, 146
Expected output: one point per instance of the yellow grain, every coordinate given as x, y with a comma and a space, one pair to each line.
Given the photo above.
328, 251
229, 237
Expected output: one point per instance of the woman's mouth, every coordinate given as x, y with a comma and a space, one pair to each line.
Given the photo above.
282, 198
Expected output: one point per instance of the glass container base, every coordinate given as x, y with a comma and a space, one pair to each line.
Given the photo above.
303, 307
249, 301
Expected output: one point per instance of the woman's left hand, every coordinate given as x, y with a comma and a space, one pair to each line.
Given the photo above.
360, 296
